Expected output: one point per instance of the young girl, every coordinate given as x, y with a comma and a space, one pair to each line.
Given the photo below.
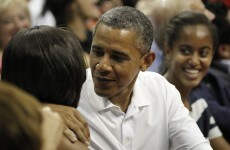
190, 41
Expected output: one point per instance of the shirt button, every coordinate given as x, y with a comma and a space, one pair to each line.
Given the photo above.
127, 140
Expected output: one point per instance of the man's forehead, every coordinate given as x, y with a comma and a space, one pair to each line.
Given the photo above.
101, 28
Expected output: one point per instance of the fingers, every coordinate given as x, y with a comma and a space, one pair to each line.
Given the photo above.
85, 127
68, 145
78, 128
75, 122
70, 134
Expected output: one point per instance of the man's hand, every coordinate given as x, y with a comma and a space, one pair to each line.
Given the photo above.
76, 128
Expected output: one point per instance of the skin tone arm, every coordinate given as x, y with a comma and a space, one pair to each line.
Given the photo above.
220, 144
75, 126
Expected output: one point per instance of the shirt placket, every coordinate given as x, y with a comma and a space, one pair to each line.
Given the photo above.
127, 128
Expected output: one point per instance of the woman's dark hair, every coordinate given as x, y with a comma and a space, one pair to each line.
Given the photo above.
188, 18
47, 62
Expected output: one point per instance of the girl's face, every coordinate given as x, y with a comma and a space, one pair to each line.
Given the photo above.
13, 20
190, 56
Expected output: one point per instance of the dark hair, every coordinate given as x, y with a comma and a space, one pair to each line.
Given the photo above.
188, 18
129, 18
221, 22
60, 9
218, 8
47, 62
131, 3
223, 27
20, 120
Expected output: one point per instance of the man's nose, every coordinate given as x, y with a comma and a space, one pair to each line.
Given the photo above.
104, 65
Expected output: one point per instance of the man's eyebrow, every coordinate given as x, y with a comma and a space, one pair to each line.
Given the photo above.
116, 52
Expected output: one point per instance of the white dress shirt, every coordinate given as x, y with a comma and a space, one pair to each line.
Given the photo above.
156, 118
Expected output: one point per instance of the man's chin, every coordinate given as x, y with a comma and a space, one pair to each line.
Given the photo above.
101, 93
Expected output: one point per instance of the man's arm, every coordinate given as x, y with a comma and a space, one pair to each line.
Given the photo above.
183, 130
76, 128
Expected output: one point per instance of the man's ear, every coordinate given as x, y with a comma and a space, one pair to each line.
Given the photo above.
147, 60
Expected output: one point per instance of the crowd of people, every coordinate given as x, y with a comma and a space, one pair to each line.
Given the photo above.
115, 74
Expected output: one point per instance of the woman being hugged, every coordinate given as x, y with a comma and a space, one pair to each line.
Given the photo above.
48, 63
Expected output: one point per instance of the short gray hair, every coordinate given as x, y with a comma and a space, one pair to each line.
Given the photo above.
129, 18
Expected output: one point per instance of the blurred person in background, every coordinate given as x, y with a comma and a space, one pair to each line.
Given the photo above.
103, 6
73, 14
14, 16
38, 17
131, 3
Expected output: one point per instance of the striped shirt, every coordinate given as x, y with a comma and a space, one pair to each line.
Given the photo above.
206, 122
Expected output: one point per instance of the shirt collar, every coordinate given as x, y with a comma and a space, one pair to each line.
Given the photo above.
140, 98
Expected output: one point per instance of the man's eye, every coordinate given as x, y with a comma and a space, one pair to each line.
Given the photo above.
97, 53
118, 58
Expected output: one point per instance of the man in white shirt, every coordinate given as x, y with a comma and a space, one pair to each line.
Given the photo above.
155, 118
125, 107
